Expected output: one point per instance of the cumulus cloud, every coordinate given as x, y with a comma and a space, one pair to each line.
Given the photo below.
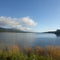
28, 21
24, 23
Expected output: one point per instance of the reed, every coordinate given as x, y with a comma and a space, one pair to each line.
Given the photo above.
38, 53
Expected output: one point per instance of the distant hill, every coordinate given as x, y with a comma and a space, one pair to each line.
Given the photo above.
11, 30
57, 32
16, 31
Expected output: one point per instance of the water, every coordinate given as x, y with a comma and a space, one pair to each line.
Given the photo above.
28, 39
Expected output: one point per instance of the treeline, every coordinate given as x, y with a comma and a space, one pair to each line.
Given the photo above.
28, 53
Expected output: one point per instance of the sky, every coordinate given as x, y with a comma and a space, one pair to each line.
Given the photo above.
30, 15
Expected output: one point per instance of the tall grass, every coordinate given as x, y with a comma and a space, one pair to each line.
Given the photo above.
38, 53
54, 52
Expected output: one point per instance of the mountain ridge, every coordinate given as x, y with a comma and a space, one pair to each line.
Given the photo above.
57, 32
11, 30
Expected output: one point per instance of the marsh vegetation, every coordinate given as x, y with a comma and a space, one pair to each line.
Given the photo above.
38, 53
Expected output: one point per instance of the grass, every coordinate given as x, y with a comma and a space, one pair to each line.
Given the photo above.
37, 53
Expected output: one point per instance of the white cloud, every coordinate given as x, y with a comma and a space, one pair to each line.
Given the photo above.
24, 23
28, 21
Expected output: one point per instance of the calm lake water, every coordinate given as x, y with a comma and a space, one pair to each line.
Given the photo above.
28, 39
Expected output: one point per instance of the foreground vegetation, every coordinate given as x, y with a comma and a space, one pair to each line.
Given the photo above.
37, 53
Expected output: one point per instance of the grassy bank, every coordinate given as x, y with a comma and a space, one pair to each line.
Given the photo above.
37, 53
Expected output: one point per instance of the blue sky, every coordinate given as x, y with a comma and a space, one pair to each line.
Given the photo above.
40, 15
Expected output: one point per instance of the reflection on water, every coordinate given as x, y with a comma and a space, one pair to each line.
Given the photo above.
47, 39
22, 39
28, 39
